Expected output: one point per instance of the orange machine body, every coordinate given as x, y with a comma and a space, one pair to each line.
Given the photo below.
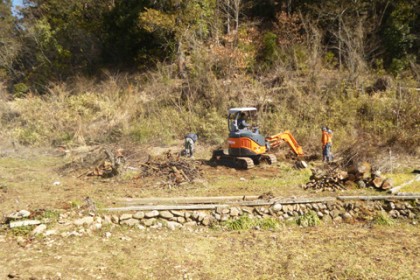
245, 146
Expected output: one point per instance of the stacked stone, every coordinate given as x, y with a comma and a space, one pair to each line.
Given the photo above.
337, 211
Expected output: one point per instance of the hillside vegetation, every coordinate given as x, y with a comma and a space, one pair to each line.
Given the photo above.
84, 72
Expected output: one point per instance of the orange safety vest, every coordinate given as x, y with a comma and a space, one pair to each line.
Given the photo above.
329, 135
325, 138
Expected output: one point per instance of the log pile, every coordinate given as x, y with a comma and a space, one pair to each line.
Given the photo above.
359, 175
328, 180
173, 170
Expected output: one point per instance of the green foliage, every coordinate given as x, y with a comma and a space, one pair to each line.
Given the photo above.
270, 50
22, 231
20, 90
383, 219
310, 219
242, 223
398, 34
330, 61
268, 224
52, 215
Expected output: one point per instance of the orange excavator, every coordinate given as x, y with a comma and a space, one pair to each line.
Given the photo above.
247, 146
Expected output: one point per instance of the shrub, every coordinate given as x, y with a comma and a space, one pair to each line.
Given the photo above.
382, 218
243, 223
310, 219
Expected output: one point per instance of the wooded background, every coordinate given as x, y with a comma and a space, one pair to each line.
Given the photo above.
351, 64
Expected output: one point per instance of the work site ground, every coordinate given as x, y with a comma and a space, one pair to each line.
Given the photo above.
68, 190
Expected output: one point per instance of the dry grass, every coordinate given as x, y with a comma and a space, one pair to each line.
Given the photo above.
342, 252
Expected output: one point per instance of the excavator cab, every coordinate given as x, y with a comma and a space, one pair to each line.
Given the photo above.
244, 137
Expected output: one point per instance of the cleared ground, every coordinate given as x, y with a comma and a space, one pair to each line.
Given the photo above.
31, 180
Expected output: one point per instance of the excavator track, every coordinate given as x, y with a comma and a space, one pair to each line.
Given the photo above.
270, 158
245, 162
220, 158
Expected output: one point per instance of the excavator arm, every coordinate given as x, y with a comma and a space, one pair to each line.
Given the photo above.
286, 136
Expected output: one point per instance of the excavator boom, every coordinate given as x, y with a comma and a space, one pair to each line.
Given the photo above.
286, 136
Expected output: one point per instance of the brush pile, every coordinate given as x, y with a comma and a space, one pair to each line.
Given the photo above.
173, 170
359, 175
100, 161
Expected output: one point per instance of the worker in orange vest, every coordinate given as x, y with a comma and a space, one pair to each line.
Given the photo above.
326, 144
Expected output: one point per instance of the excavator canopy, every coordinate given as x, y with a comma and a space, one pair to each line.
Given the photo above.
242, 109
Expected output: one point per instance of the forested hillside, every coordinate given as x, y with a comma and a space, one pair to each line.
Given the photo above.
84, 71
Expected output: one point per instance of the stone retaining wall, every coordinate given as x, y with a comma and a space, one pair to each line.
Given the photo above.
336, 211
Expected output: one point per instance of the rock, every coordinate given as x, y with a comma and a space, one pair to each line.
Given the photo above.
130, 222
125, 238
394, 214
387, 184
206, 221
107, 219
201, 216
19, 215
125, 216
84, 221
24, 223
187, 215
190, 224
247, 210
140, 227
181, 220
96, 226
361, 184
166, 214
326, 219
173, 225
107, 234
277, 207
234, 212
319, 214
194, 215
21, 241
218, 217
337, 219
177, 213
115, 219
152, 214
39, 230
149, 222
50, 232
156, 226
334, 213
138, 215
347, 218
219, 210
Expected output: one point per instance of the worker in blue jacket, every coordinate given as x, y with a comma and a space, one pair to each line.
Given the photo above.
189, 143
